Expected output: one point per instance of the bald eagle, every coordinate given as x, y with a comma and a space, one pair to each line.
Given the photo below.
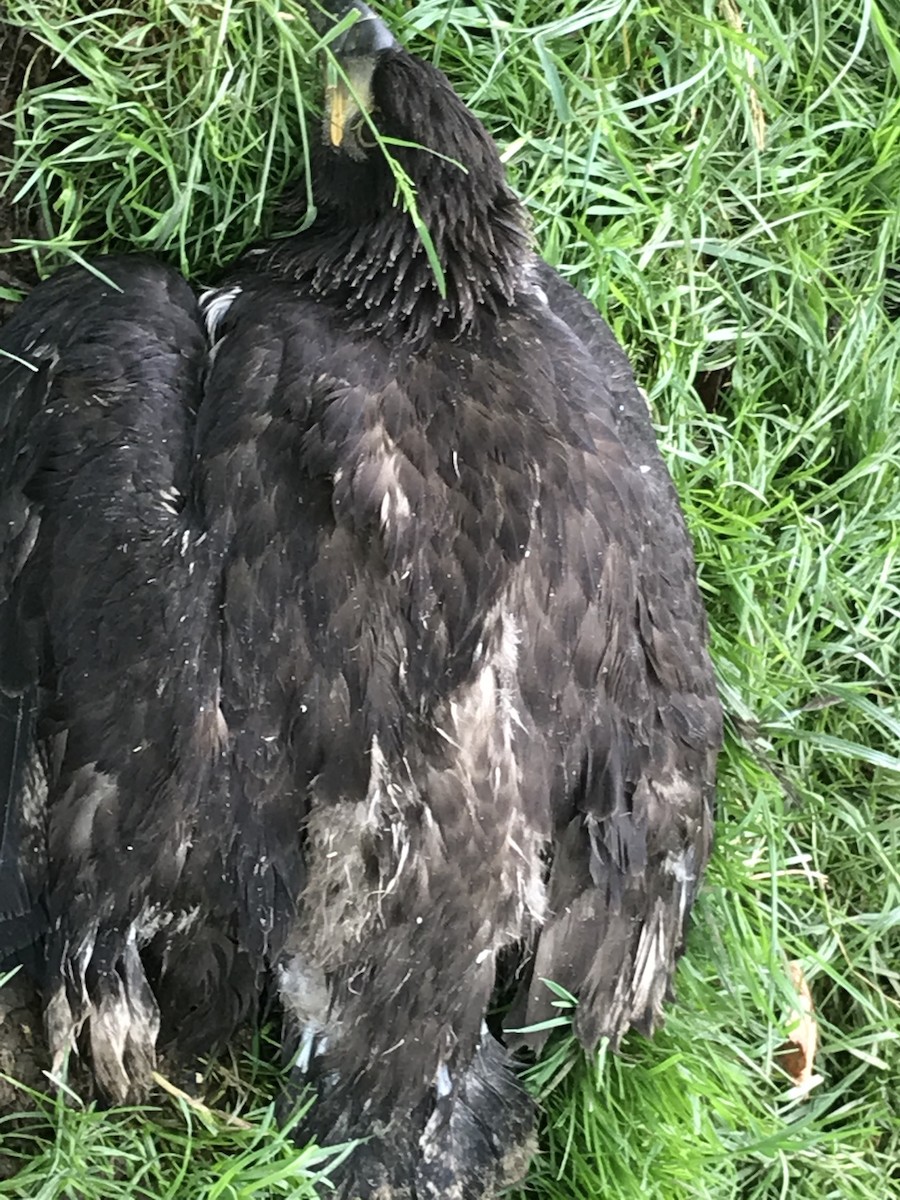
351, 643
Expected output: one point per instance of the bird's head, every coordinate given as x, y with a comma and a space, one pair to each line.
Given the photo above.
382, 103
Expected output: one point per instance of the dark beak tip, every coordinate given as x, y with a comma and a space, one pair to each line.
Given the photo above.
366, 37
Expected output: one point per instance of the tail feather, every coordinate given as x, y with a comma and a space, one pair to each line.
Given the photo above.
487, 1140
473, 1136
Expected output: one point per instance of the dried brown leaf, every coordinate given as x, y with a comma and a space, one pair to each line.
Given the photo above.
798, 1054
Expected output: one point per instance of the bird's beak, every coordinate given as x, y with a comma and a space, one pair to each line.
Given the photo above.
346, 96
348, 81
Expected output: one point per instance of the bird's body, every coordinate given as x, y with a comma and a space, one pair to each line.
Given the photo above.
361, 643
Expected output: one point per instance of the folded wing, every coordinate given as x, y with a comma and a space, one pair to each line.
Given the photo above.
617, 669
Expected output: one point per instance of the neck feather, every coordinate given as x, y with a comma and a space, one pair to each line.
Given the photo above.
364, 253
380, 273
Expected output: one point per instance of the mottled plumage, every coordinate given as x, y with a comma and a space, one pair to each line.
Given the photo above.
358, 644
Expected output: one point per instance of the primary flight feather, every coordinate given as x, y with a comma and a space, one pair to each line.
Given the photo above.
354, 643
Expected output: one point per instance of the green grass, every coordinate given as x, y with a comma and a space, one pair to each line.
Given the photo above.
233, 1149
723, 180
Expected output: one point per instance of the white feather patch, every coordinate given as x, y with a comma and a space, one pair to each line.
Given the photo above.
214, 304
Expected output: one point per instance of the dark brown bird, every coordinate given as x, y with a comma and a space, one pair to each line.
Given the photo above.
354, 643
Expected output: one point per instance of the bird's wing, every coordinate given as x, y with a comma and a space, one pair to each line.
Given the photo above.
98, 370
23, 390
615, 662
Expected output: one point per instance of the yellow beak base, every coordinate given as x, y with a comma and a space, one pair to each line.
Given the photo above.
346, 98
